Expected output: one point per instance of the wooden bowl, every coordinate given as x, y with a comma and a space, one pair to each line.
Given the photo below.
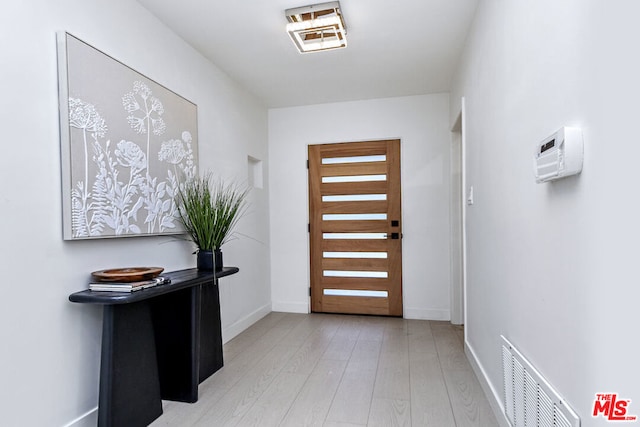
129, 274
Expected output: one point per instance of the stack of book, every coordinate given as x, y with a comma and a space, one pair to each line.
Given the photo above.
128, 286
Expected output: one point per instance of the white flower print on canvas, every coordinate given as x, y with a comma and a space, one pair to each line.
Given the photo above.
131, 143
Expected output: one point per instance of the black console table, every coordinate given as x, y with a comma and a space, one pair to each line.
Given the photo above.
157, 343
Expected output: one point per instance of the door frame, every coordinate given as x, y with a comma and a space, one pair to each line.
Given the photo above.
458, 293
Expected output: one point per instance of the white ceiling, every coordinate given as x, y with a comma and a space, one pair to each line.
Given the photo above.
395, 47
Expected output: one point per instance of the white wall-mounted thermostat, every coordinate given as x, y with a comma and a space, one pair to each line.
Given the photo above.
559, 155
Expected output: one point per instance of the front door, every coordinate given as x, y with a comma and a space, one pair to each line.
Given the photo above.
355, 228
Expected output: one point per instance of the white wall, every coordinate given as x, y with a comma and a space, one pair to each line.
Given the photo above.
422, 125
554, 266
50, 347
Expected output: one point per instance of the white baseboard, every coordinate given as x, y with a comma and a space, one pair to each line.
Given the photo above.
426, 314
88, 419
290, 307
229, 332
495, 401
409, 313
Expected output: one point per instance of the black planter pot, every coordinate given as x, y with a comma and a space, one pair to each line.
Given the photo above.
208, 259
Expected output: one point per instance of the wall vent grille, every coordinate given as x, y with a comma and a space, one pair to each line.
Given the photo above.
529, 400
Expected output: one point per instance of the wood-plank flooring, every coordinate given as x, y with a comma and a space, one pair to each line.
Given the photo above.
339, 371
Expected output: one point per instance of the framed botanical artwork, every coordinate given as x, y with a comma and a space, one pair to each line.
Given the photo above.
127, 143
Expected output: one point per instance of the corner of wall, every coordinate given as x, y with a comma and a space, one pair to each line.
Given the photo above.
88, 419
492, 395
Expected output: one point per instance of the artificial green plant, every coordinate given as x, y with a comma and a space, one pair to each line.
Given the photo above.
209, 209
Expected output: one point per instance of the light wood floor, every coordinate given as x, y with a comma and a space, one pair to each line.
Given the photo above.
333, 370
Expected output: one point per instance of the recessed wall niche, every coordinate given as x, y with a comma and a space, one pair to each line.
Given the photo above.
254, 167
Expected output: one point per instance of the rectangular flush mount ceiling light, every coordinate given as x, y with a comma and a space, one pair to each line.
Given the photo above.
317, 27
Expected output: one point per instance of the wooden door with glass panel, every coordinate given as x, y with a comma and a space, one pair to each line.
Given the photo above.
355, 228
